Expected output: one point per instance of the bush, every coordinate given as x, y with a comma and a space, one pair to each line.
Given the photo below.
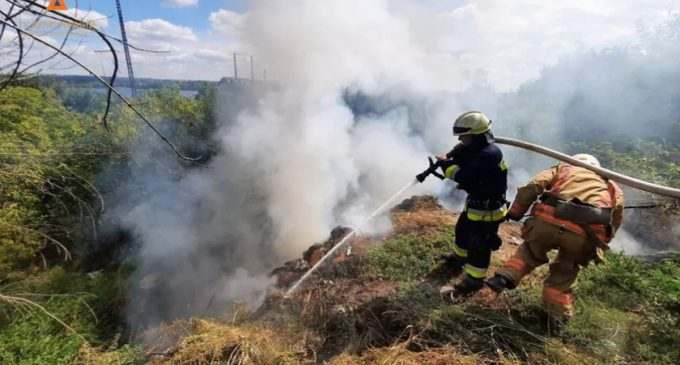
44, 169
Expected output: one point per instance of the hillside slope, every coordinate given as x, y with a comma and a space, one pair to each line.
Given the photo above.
378, 303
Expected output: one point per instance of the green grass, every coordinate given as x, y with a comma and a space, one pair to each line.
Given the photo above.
627, 311
409, 257
631, 283
90, 306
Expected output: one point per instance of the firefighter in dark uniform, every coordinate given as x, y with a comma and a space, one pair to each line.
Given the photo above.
476, 164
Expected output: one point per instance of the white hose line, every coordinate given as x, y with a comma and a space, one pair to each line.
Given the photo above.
381, 209
609, 174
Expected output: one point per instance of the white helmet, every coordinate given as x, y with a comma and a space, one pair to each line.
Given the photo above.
589, 159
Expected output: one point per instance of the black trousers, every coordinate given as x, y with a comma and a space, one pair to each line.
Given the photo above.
473, 244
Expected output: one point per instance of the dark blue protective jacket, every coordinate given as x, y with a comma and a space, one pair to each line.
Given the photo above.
480, 170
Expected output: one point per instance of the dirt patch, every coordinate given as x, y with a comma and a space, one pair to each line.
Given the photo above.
352, 292
420, 214
511, 234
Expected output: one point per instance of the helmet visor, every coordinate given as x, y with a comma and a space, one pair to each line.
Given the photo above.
457, 131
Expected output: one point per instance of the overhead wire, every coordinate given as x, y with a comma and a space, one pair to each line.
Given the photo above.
7, 21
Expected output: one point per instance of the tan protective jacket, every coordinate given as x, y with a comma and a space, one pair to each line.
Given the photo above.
569, 182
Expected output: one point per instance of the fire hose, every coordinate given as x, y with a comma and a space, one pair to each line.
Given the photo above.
606, 173
432, 170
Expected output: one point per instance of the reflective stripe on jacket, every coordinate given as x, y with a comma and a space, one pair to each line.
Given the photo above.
486, 215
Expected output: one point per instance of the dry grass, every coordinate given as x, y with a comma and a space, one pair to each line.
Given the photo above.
214, 343
88, 355
400, 355
421, 221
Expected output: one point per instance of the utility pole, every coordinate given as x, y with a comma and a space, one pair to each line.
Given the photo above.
252, 71
235, 68
131, 74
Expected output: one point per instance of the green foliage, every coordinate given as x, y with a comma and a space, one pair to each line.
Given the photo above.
49, 155
85, 101
89, 82
188, 123
601, 330
409, 257
52, 146
653, 160
41, 178
630, 308
632, 283
90, 305
207, 101
155, 105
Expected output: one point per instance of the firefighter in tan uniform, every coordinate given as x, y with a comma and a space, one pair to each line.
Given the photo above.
576, 212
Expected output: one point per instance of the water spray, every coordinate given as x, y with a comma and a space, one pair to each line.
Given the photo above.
379, 211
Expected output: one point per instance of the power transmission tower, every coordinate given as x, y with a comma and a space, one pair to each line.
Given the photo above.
131, 74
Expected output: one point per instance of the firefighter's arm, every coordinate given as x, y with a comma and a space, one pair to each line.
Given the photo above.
451, 162
452, 157
458, 155
449, 169
528, 193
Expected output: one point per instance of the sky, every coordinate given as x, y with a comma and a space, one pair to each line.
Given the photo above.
188, 13
502, 43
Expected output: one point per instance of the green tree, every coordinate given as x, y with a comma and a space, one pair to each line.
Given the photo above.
45, 165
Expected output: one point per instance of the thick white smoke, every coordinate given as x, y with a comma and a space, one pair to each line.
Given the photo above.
363, 94
625, 243
313, 152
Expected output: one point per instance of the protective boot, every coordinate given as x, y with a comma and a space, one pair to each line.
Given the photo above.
453, 262
451, 267
467, 286
498, 283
